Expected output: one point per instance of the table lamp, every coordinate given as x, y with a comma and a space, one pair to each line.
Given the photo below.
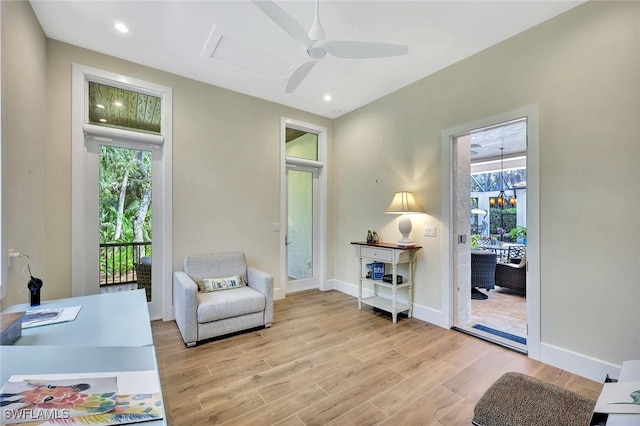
403, 203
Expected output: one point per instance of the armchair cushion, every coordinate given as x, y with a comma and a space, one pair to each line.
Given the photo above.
229, 304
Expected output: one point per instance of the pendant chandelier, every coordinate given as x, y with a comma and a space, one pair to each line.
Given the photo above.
502, 200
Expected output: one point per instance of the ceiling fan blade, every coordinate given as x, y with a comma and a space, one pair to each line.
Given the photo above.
284, 21
298, 75
363, 49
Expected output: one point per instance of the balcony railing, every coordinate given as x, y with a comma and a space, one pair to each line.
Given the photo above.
118, 260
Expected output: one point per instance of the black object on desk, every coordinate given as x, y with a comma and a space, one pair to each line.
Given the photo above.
34, 285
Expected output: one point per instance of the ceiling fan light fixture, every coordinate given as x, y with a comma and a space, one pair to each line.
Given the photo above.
317, 52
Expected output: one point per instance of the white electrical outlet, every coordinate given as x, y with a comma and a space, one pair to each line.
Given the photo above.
12, 254
276, 227
430, 231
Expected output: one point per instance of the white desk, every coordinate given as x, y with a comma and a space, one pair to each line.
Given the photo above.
112, 319
37, 360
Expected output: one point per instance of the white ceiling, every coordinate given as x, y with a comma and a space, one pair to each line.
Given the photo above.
254, 52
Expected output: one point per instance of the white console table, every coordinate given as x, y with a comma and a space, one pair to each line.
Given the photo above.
391, 254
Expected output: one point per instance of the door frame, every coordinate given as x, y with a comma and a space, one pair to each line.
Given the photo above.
320, 237
83, 164
449, 239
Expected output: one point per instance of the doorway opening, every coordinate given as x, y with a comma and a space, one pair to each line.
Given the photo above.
303, 213
490, 189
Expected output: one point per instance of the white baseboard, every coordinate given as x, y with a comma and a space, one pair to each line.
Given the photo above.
430, 315
577, 363
297, 286
348, 288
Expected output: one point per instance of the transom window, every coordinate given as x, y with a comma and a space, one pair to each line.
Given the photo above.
120, 108
301, 144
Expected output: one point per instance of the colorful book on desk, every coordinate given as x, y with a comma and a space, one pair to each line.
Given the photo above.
122, 401
40, 317
39, 400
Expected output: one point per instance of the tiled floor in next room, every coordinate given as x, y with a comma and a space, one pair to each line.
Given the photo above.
504, 310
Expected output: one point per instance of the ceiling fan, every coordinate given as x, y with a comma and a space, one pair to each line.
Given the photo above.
317, 46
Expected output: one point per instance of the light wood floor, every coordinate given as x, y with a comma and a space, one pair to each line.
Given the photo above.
325, 362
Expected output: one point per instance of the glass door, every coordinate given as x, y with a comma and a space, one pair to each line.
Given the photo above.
301, 228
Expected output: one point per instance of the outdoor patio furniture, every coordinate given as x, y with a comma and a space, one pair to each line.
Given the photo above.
214, 311
513, 275
516, 252
483, 269
143, 276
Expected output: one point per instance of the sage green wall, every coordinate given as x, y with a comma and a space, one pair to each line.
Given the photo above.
226, 159
583, 69
23, 151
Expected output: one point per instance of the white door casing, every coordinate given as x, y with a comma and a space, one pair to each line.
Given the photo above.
449, 239
320, 207
84, 187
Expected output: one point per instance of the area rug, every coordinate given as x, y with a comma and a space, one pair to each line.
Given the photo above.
502, 334
518, 399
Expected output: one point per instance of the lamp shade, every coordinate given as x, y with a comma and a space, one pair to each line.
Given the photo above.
404, 202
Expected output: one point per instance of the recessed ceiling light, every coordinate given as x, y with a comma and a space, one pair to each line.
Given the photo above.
121, 27
100, 106
327, 98
117, 103
103, 120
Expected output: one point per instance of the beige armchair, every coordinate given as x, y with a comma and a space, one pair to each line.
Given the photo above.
202, 315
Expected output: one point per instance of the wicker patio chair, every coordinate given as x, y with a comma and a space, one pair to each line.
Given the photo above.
143, 276
513, 275
483, 270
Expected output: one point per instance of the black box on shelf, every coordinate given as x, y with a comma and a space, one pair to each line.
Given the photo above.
387, 278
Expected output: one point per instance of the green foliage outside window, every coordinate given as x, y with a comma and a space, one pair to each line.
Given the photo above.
125, 206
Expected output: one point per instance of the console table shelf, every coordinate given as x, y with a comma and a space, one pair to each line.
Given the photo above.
391, 254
